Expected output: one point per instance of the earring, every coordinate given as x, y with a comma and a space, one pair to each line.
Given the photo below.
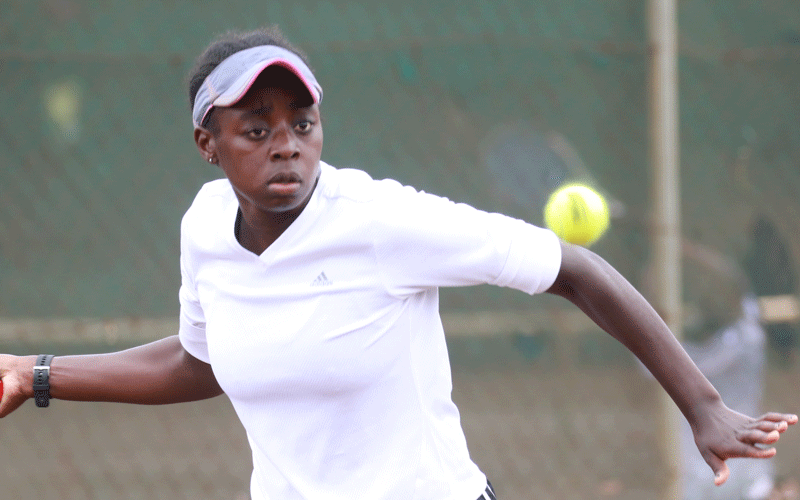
211, 160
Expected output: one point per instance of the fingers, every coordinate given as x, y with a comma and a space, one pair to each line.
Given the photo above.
750, 439
769, 426
722, 476
757, 436
718, 466
740, 436
789, 418
746, 450
751, 451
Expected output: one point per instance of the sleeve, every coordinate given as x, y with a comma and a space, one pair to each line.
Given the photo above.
427, 241
192, 322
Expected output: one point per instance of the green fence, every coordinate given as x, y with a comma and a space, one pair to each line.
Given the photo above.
489, 103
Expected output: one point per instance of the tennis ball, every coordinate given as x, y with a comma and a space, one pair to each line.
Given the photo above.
577, 214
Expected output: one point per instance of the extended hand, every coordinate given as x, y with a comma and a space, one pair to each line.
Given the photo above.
725, 434
17, 381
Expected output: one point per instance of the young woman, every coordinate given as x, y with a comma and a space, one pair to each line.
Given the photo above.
310, 298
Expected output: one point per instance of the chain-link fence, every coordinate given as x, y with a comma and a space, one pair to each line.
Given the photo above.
490, 103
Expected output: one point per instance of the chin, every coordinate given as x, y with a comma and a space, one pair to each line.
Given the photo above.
288, 205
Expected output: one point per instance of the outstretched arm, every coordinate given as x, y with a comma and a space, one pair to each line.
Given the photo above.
161, 372
610, 300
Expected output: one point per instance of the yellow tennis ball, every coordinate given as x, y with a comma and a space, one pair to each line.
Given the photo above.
577, 214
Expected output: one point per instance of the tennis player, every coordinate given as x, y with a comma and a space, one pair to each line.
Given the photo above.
309, 297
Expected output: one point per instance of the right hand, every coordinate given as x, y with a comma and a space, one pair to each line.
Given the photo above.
17, 375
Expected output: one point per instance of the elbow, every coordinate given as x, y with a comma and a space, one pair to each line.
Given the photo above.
580, 269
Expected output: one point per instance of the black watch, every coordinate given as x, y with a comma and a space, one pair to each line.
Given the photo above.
41, 380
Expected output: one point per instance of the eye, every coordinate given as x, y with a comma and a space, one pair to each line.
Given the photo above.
257, 133
304, 126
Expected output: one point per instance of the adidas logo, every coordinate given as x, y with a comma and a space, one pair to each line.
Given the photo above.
321, 280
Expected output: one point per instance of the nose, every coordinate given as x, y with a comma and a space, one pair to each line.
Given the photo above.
285, 145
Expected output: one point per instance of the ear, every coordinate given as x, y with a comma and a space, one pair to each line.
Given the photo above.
206, 144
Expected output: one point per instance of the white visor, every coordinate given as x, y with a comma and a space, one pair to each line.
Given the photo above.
234, 76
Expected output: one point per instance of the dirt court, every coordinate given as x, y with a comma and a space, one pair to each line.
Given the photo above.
539, 432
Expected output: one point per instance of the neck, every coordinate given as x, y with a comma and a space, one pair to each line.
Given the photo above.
257, 229
258, 233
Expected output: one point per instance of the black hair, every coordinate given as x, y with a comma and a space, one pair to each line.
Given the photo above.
226, 45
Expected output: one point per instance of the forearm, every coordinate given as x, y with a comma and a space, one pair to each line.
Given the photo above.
615, 305
161, 372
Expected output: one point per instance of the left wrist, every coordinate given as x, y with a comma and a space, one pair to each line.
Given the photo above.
41, 380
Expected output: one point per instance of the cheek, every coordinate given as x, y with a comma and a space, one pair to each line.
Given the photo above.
244, 169
239, 148
315, 144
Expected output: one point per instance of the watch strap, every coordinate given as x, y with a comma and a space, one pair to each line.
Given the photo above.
41, 380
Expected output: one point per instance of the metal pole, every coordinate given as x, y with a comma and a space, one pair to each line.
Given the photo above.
666, 228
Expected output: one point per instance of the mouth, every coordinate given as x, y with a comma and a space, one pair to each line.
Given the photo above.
284, 178
284, 183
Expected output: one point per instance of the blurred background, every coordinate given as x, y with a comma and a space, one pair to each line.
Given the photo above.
493, 103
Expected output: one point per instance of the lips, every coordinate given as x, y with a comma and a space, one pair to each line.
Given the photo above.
284, 184
285, 178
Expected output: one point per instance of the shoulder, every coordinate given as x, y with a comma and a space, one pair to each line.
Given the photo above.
209, 203
219, 189
357, 186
